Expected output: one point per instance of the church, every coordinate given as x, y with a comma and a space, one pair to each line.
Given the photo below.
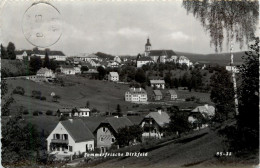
161, 56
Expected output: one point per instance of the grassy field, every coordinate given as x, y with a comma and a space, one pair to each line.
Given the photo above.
102, 95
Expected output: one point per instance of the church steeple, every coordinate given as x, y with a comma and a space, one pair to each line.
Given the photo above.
147, 47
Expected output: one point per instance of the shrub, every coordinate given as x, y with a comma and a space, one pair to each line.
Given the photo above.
40, 113
49, 112
35, 113
19, 90
43, 98
25, 112
36, 94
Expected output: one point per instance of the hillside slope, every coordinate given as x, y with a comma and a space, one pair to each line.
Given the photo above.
197, 152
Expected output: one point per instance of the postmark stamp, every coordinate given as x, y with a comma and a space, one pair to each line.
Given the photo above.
42, 24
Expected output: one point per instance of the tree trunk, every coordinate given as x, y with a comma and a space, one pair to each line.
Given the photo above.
233, 74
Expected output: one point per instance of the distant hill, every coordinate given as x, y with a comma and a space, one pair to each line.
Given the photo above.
221, 59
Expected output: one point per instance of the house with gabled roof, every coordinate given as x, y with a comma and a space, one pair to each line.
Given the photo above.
184, 60
70, 137
113, 76
157, 94
106, 132
173, 95
153, 124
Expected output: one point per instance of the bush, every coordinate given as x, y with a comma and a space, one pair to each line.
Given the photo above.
35, 113
49, 112
43, 98
36, 94
25, 112
19, 90
40, 113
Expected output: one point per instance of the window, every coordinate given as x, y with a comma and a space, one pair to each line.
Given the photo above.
65, 136
70, 148
104, 129
113, 140
101, 139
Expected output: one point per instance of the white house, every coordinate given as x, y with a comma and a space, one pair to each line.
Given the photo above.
45, 72
82, 112
69, 137
184, 60
159, 84
67, 69
136, 95
113, 76
77, 70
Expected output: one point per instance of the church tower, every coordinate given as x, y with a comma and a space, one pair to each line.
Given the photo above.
147, 47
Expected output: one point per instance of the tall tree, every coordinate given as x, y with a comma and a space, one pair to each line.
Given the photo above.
249, 89
3, 53
46, 62
35, 64
140, 76
118, 110
238, 19
11, 51
222, 94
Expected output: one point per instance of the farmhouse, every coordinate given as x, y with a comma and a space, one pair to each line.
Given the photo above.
107, 131
113, 76
153, 124
113, 64
136, 95
173, 94
157, 95
45, 74
82, 112
159, 84
67, 69
69, 137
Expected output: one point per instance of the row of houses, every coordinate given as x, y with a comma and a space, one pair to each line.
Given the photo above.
74, 136
140, 95
56, 55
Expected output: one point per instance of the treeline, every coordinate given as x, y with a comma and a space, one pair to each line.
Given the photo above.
8, 52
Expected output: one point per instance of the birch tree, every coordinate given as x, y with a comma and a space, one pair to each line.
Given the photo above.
235, 21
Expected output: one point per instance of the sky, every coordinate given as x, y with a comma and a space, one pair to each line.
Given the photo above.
118, 28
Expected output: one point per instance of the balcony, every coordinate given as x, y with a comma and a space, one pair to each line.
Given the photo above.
61, 141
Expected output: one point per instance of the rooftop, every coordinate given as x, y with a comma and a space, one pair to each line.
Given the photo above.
161, 118
157, 81
78, 130
157, 92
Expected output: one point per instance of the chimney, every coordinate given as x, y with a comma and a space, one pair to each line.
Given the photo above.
160, 111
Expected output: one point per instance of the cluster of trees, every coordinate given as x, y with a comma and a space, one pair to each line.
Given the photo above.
8, 52
21, 142
37, 63
128, 135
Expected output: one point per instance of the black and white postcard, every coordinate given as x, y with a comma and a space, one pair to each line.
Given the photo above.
129, 84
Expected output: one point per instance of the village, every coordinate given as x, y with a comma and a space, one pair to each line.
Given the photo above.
79, 131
